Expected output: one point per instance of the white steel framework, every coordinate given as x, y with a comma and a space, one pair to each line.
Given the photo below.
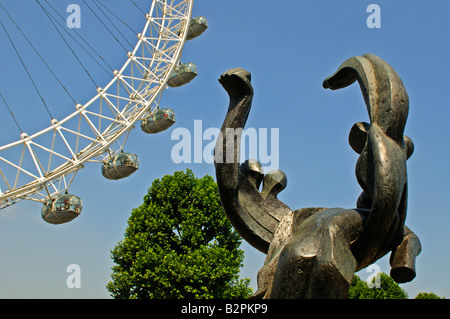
43, 165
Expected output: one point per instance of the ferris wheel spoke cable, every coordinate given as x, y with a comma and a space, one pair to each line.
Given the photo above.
139, 8
106, 27
115, 16
26, 69
82, 39
96, 2
67, 43
38, 54
52, 19
89, 46
11, 112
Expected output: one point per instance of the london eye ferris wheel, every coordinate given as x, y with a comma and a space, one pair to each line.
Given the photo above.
41, 166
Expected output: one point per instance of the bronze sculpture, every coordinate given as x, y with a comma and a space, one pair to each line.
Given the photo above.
314, 252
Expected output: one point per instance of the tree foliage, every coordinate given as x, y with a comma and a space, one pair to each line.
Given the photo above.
427, 295
388, 289
179, 244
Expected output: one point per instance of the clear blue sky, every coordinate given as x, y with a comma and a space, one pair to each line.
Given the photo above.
289, 47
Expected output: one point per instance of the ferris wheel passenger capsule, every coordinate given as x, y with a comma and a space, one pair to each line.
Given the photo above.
63, 209
183, 74
120, 166
197, 26
160, 120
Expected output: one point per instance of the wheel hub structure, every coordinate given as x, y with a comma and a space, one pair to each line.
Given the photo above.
42, 166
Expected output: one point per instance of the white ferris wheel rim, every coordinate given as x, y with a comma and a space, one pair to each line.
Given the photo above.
173, 27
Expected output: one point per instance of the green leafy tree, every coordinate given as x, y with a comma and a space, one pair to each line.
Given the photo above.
427, 295
179, 244
388, 289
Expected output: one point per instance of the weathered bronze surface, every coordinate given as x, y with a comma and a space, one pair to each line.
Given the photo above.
314, 252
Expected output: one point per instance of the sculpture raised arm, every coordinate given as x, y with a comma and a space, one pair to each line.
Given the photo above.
255, 215
381, 167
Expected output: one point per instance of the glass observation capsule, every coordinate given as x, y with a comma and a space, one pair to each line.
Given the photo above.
183, 74
197, 26
63, 209
120, 166
160, 120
